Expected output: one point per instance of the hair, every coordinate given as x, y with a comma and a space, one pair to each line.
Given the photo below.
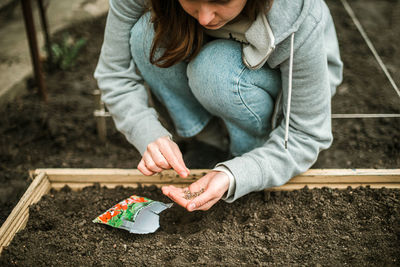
179, 34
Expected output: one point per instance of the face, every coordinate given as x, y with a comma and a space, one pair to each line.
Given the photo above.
213, 14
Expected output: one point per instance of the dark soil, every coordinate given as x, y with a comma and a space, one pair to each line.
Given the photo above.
321, 227
62, 133
368, 143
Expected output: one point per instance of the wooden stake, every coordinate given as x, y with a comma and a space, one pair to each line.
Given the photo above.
100, 115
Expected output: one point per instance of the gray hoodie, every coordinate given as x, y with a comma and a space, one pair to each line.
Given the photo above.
296, 36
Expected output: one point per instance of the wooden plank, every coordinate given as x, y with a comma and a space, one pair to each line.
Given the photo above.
291, 187
124, 176
20, 221
19, 215
18, 225
120, 179
77, 179
108, 172
286, 187
79, 186
121, 176
348, 176
21, 207
354, 172
330, 179
22, 212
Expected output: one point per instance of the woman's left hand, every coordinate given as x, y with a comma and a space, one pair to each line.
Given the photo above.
214, 184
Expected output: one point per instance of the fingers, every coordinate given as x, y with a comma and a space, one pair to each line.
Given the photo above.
203, 202
154, 153
143, 169
175, 194
173, 155
201, 183
163, 154
199, 203
211, 188
215, 185
150, 164
205, 206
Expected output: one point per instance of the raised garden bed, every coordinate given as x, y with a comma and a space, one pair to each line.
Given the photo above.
330, 227
63, 134
358, 225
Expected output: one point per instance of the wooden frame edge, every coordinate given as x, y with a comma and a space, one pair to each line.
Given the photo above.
45, 179
339, 178
20, 214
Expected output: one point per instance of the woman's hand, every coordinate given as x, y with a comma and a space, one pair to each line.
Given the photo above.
162, 154
214, 184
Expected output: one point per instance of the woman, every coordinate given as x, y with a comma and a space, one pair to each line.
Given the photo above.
266, 69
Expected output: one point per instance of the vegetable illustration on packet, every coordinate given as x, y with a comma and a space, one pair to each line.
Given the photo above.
135, 214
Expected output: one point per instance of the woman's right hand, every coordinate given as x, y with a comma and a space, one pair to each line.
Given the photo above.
163, 154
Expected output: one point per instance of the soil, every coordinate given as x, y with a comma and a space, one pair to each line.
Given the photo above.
62, 133
323, 227
367, 143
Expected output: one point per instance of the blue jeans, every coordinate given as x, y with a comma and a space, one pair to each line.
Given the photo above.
214, 83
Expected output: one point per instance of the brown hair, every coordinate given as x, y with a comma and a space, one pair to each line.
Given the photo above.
180, 34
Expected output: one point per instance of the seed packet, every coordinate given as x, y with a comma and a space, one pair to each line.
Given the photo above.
135, 214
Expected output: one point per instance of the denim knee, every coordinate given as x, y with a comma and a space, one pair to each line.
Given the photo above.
212, 74
228, 89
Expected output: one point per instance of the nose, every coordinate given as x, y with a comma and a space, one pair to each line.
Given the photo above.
205, 15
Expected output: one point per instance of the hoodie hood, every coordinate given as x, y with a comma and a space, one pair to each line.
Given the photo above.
286, 16
273, 29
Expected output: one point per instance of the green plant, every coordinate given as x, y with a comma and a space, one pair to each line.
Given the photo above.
65, 53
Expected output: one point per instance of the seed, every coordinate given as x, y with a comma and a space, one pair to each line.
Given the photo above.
189, 195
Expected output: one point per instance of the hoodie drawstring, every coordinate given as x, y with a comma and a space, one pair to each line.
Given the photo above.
289, 90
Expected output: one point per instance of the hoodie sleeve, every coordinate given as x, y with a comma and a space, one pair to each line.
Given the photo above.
309, 125
122, 87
